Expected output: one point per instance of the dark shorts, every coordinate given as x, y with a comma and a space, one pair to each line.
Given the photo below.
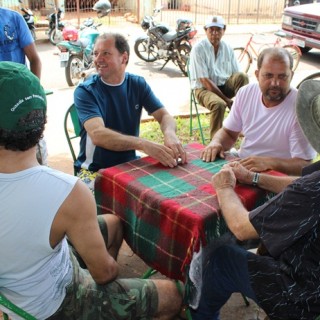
118, 300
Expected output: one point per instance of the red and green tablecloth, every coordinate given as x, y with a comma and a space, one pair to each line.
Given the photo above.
168, 213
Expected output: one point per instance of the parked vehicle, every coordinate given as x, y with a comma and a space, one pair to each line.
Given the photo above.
76, 56
29, 18
70, 33
162, 42
302, 25
56, 26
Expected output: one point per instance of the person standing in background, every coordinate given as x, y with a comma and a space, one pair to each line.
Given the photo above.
17, 45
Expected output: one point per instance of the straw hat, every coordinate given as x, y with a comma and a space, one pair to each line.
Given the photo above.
308, 111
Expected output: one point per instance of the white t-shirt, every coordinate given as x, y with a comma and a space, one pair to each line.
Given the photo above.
32, 274
273, 132
205, 64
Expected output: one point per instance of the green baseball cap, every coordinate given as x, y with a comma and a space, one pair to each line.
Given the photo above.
21, 92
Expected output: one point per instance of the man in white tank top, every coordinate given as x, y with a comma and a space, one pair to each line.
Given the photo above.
40, 209
264, 113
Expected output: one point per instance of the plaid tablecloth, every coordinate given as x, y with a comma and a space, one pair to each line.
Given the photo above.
168, 213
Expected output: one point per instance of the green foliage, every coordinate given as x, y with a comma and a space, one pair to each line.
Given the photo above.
151, 130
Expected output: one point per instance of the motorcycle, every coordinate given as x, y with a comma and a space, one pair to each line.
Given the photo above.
76, 56
56, 26
161, 42
29, 18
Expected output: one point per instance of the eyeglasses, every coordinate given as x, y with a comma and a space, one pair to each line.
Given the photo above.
270, 76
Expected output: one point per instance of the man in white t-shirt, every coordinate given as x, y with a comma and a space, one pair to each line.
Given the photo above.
40, 209
215, 73
264, 113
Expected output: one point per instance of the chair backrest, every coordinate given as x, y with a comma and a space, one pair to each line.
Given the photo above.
15, 309
72, 115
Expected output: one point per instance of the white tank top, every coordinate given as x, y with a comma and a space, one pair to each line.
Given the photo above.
32, 274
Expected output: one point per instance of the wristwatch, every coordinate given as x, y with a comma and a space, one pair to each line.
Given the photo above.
255, 179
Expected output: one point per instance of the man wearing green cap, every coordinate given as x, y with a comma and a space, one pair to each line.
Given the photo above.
40, 209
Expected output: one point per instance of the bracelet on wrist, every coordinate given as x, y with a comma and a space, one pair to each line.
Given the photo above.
255, 179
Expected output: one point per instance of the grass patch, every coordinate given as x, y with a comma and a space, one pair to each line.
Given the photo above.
151, 130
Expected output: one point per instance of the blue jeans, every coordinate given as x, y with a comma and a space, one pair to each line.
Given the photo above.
226, 272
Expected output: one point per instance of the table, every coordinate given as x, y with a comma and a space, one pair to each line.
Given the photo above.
168, 213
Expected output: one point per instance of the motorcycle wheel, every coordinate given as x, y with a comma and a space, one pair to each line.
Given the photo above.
184, 51
55, 36
145, 52
74, 69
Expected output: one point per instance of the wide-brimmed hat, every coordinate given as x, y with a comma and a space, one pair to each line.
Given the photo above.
308, 111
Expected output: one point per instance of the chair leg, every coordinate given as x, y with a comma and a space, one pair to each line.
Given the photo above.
193, 103
199, 124
191, 114
149, 273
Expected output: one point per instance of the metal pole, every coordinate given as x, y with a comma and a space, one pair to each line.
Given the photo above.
258, 11
238, 13
78, 12
195, 13
138, 10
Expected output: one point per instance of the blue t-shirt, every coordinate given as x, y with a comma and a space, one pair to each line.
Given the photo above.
120, 107
14, 36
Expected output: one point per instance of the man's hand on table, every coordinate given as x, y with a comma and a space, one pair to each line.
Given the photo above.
165, 155
225, 178
242, 174
172, 142
256, 163
211, 151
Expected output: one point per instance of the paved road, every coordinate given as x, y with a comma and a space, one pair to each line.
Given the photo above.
169, 84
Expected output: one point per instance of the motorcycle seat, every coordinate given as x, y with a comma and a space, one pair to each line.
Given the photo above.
169, 36
81, 43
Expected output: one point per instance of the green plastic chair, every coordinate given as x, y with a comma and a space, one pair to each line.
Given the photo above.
11, 306
72, 115
194, 108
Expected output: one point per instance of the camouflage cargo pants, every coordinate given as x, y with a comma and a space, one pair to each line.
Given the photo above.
118, 300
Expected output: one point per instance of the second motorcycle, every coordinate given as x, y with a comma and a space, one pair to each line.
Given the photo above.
162, 43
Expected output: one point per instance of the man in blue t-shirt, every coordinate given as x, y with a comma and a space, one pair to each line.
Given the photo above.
17, 45
16, 42
109, 106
